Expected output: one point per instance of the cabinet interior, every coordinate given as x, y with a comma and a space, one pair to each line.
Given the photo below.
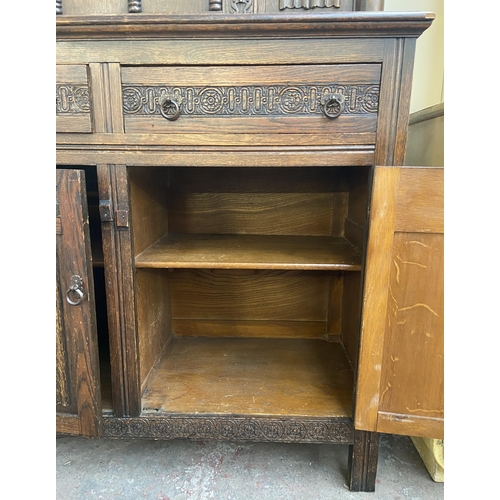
248, 288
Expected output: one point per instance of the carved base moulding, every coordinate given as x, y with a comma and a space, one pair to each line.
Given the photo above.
308, 4
231, 428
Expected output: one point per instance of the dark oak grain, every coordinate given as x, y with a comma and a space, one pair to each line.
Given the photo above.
261, 279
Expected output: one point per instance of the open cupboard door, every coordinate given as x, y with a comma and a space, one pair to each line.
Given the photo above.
78, 405
400, 382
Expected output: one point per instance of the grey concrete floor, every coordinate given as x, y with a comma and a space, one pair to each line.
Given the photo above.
187, 470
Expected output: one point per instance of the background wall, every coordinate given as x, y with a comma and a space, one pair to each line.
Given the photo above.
428, 79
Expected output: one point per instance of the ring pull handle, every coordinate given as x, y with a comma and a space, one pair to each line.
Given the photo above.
170, 109
74, 295
333, 105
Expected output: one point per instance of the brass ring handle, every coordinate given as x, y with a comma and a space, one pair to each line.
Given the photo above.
333, 106
170, 109
75, 289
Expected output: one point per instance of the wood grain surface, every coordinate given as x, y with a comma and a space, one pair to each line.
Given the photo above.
251, 377
231, 251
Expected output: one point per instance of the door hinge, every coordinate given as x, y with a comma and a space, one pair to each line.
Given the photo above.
105, 210
122, 221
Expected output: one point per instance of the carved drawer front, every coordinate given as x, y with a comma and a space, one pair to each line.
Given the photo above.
340, 101
72, 99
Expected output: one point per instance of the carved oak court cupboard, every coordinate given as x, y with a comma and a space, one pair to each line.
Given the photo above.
240, 253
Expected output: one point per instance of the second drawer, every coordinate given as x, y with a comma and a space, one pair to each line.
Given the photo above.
340, 101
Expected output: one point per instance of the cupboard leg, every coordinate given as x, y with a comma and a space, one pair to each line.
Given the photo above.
363, 458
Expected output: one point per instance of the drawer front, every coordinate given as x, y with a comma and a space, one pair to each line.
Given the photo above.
72, 99
340, 101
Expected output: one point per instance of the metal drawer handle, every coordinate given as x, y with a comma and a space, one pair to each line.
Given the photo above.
75, 290
333, 105
170, 109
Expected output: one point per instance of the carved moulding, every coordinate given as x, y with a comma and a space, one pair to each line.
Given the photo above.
250, 100
72, 99
308, 4
240, 6
230, 428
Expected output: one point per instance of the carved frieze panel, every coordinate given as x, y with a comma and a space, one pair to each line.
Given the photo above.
231, 428
249, 100
72, 99
241, 6
308, 4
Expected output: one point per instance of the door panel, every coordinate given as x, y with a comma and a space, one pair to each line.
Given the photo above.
400, 387
78, 405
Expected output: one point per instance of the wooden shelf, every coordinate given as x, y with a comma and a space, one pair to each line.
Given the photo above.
230, 251
292, 377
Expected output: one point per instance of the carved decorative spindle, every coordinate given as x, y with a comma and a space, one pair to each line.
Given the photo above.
134, 6
308, 4
58, 7
214, 4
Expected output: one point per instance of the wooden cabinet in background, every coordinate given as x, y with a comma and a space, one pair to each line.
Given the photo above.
244, 235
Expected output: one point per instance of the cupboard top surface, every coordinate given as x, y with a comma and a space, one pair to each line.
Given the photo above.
341, 24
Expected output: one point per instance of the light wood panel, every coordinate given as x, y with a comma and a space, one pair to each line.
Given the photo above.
400, 388
421, 200
251, 377
414, 343
410, 425
377, 271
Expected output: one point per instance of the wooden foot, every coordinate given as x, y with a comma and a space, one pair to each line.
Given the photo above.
363, 458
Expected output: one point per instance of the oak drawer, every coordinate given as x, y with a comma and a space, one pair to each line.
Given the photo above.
72, 99
254, 100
